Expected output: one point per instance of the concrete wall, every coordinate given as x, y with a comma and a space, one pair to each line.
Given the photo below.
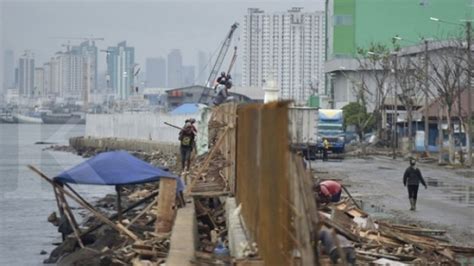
139, 126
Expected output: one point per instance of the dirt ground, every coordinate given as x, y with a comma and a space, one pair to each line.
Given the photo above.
447, 204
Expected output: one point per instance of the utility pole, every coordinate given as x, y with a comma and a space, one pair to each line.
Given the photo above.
427, 126
469, 88
395, 114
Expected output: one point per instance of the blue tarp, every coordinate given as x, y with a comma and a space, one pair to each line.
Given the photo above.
186, 108
115, 168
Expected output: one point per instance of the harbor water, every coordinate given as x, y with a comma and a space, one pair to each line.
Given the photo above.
25, 199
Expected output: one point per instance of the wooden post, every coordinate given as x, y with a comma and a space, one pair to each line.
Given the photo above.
120, 228
166, 205
76, 231
119, 204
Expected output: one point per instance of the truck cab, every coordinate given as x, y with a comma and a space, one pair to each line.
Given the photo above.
330, 127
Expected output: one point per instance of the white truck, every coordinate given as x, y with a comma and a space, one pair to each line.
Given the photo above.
303, 130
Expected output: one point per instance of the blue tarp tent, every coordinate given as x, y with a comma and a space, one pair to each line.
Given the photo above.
115, 168
186, 108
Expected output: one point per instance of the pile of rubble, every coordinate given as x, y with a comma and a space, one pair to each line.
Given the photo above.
207, 174
103, 244
212, 230
382, 242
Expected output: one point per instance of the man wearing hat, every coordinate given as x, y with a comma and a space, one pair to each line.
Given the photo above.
411, 180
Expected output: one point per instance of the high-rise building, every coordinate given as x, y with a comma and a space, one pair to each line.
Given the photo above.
288, 47
156, 72
175, 69
120, 69
73, 73
47, 79
26, 69
188, 76
88, 52
8, 70
39, 82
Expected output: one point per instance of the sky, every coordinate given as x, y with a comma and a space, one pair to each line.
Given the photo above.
152, 27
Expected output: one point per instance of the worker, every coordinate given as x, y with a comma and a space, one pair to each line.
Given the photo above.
186, 138
222, 76
330, 246
329, 191
325, 149
411, 180
222, 92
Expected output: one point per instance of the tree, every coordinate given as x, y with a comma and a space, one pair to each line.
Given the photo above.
408, 78
448, 74
376, 60
356, 114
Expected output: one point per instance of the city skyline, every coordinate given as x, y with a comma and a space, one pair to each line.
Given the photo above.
153, 34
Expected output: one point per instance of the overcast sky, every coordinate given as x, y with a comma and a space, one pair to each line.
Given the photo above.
152, 27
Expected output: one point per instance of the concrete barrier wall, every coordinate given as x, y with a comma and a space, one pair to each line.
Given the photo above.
139, 126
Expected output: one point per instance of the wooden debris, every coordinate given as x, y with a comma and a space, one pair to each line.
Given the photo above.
166, 206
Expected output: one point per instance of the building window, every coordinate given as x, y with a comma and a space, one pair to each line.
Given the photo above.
343, 20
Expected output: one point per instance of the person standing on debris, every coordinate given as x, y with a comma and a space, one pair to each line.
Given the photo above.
411, 180
219, 79
222, 92
325, 149
329, 191
186, 138
330, 246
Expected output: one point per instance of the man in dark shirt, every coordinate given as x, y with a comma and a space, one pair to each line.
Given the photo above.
186, 138
412, 178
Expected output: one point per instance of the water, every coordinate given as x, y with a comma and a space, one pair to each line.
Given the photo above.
461, 193
25, 199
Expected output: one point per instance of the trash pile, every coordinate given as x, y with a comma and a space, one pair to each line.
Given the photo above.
383, 242
212, 231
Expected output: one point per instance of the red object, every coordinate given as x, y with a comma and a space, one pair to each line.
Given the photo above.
330, 188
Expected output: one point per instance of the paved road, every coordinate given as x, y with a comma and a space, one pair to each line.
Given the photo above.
448, 202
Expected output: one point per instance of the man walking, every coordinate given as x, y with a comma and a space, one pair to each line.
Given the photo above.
412, 178
186, 138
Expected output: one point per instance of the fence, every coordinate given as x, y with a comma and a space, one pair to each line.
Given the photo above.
273, 187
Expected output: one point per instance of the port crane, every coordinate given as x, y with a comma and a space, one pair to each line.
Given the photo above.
220, 57
219, 60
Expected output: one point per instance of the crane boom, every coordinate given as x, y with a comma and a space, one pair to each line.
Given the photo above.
221, 55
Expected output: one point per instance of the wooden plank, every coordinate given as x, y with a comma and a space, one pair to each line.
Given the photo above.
340, 229
92, 210
207, 161
166, 205
146, 209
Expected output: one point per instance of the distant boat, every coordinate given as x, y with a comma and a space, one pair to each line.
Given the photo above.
7, 118
28, 119
63, 119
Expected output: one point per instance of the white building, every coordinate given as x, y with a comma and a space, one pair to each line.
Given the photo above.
287, 47
73, 74
26, 68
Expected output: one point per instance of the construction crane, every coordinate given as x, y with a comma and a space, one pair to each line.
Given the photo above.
220, 57
89, 39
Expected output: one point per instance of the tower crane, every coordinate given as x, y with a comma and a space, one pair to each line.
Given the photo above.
89, 39
220, 57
